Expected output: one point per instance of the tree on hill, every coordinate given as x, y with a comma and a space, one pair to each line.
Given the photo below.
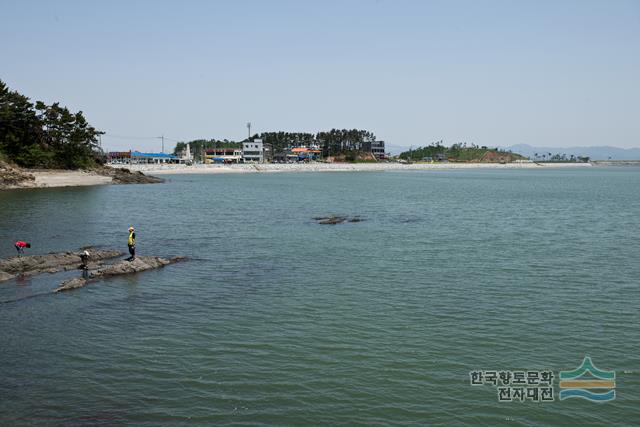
461, 152
45, 136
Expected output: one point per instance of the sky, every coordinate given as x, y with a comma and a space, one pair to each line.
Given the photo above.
496, 73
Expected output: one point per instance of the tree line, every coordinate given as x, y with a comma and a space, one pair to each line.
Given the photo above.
549, 157
46, 136
332, 142
459, 152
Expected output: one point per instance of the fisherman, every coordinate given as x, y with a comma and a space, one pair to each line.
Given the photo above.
84, 259
20, 245
131, 243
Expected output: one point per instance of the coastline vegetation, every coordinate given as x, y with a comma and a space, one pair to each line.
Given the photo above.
461, 152
45, 136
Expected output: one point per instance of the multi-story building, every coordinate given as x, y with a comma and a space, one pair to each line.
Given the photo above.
376, 148
256, 151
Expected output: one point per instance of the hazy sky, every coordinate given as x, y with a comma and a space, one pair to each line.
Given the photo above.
556, 73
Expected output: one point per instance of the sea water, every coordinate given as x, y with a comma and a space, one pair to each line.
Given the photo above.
278, 320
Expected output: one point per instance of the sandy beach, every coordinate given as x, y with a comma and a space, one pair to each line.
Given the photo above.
334, 167
68, 179
13, 177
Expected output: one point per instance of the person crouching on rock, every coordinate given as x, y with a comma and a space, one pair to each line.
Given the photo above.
84, 260
20, 245
84, 264
131, 243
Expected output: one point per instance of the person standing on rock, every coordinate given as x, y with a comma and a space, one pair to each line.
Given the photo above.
20, 245
131, 243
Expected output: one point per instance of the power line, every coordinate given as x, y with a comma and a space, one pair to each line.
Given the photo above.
111, 135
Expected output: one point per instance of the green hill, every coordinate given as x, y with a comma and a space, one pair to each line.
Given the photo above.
460, 153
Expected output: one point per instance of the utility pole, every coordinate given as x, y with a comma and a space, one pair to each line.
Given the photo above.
162, 138
249, 129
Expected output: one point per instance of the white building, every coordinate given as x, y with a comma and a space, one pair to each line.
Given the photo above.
253, 151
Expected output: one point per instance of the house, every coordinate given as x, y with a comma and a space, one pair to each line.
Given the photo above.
285, 156
119, 157
223, 155
376, 148
139, 158
305, 153
440, 157
257, 151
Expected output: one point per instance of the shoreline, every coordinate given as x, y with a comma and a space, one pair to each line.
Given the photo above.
332, 167
140, 174
52, 178
34, 179
14, 178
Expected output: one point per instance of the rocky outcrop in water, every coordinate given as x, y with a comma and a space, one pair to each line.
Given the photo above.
119, 268
336, 219
29, 265
125, 176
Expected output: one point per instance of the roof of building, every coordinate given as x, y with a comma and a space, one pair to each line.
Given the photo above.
153, 155
222, 150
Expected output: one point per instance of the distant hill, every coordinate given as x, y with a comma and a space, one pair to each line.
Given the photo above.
460, 153
594, 153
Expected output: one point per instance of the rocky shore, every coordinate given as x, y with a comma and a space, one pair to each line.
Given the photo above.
30, 265
12, 177
99, 267
119, 268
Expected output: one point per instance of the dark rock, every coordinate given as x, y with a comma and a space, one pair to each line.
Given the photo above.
29, 265
336, 219
333, 220
119, 268
125, 176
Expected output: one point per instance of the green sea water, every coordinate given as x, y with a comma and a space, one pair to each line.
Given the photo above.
277, 320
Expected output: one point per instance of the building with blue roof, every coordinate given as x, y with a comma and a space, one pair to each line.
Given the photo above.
138, 157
